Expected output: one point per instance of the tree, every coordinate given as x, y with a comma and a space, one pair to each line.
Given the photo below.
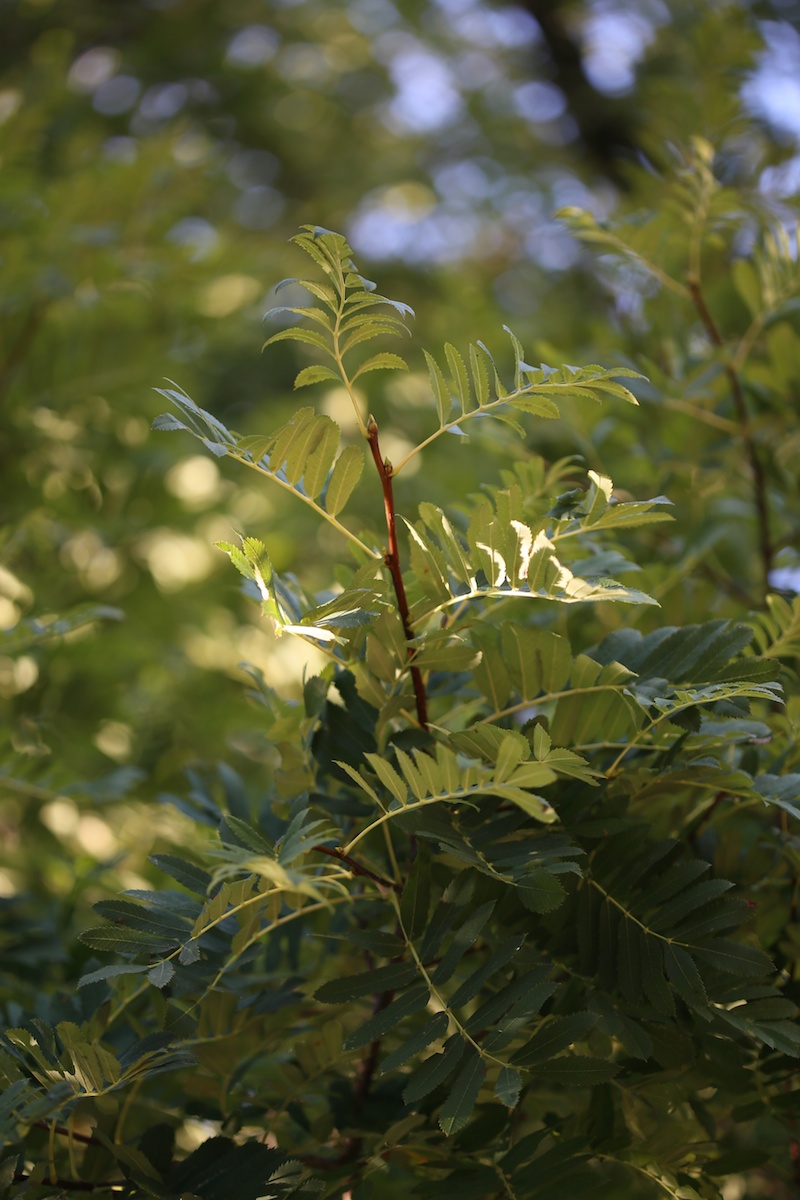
669, 759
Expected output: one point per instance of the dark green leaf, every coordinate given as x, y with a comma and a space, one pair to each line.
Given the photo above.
136, 916
117, 939
459, 1104
430, 1032
192, 877
498, 959
631, 939
541, 891
654, 977
529, 992
410, 1002
435, 1070
555, 1035
508, 1086
381, 979
684, 976
463, 938
576, 1070
734, 957
161, 974
415, 901
110, 973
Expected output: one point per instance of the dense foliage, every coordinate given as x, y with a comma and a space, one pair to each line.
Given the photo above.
479, 876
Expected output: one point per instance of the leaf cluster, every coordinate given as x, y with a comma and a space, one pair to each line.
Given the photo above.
480, 929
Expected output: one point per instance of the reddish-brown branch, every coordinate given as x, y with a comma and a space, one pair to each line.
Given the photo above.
20, 348
353, 1146
86, 1138
356, 867
74, 1185
766, 548
693, 831
392, 560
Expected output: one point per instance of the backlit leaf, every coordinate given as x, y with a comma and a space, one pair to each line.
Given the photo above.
346, 474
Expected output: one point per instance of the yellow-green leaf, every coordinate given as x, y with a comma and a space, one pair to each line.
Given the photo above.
315, 374
380, 362
346, 475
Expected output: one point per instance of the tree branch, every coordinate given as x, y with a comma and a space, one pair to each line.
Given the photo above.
74, 1185
392, 560
86, 1138
356, 867
20, 348
766, 549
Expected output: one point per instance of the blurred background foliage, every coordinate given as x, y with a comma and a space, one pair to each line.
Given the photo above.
156, 156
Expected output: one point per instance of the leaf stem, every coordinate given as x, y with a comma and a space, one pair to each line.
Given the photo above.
443, 1005
465, 794
306, 500
338, 353
623, 1162
532, 389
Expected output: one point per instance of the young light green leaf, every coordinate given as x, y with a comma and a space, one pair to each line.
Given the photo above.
346, 474
254, 563
256, 446
315, 374
379, 362
388, 777
480, 374
309, 336
298, 425
458, 371
440, 389
535, 806
320, 460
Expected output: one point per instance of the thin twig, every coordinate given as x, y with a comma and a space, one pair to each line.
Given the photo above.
353, 1146
20, 348
356, 867
392, 560
86, 1138
74, 1185
766, 548
691, 833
